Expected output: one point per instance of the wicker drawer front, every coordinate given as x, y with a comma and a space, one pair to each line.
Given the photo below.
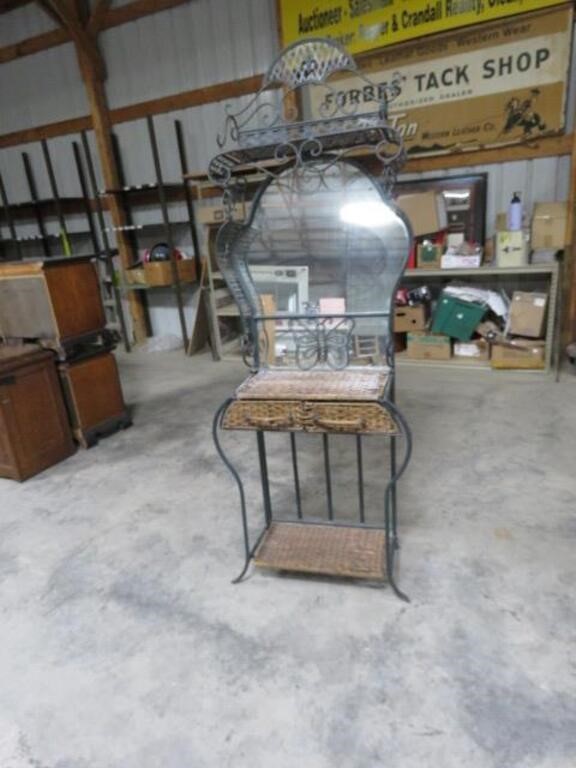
263, 414
352, 418
296, 416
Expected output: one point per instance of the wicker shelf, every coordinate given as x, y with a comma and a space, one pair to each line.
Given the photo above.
357, 553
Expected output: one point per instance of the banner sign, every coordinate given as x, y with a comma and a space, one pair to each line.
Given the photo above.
363, 25
503, 84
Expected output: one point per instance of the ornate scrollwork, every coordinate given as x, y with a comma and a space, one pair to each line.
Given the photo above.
267, 136
321, 340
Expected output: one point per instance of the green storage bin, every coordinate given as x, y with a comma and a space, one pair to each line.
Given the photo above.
457, 318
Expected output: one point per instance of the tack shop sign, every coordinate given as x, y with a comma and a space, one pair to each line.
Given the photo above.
363, 25
460, 93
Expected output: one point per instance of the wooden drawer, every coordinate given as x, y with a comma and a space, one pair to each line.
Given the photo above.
94, 397
310, 416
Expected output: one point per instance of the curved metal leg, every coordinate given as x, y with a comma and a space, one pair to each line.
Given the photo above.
218, 416
390, 497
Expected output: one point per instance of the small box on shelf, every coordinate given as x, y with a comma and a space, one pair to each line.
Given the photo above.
159, 273
461, 261
410, 318
511, 248
519, 354
527, 314
428, 255
215, 214
428, 346
549, 226
475, 349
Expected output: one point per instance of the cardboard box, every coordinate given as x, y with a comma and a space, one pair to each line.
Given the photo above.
527, 314
543, 257
511, 248
214, 214
455, 261
477, 349
410, 318
135, 276
160, 272
549, 226
426, 212
530, 356
428, 256
428, 346
501, 222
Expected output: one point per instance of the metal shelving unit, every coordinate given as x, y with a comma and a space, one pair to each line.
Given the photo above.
548, 273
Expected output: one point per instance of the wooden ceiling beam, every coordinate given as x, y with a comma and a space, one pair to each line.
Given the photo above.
34, 45
50, 12
98, 16
10, 5
68, 12
114, 17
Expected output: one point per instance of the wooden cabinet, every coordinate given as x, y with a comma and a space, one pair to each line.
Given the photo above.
34, 430
93, 397
56, 301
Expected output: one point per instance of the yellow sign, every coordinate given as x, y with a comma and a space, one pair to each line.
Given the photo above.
362, 25
504, 85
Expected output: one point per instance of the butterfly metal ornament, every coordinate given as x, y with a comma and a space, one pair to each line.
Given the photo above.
323, 341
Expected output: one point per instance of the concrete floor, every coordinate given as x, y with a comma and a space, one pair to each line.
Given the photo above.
124, 645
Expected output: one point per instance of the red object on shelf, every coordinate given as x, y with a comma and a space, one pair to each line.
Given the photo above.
401, 299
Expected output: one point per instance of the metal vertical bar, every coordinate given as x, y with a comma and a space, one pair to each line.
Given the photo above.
177, 286
86, 198
188, 196
36, 204
393, 467
360, 478
55, 194
9, 219
328, 475
296, 475
129, 219
102, 224
216, 424
124, 198
264, 477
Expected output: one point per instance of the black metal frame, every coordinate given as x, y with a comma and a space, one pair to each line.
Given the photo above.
279, 149
390, 521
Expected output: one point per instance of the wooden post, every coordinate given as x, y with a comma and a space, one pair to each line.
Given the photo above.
71, 15
102, 131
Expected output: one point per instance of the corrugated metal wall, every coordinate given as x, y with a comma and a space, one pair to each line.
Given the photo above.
199, 43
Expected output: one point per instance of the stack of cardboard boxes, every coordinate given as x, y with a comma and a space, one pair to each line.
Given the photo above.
522, 346
463, 329
436, 247
546, 236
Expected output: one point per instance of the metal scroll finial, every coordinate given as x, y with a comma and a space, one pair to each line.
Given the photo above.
267, 136
310, 61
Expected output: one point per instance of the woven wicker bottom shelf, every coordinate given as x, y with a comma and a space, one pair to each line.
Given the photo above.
357, 553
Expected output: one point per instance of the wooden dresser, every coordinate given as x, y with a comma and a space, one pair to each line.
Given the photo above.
34, 429
56, 301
